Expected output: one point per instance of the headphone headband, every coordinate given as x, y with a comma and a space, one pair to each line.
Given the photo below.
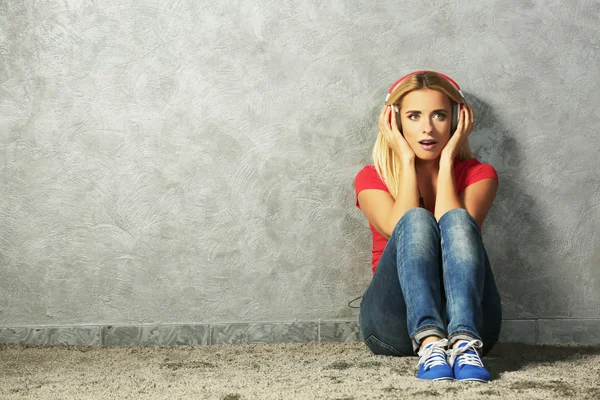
418, 72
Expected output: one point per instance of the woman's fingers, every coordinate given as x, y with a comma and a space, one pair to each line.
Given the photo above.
461, 120
386, 119
469, 118
394, 124
384, 114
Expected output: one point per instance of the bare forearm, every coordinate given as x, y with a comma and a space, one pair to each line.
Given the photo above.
446, 197
408, 195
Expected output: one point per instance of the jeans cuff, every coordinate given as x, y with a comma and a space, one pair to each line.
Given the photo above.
425, 331
455, 337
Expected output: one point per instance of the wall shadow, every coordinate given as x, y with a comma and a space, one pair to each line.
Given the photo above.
515, 234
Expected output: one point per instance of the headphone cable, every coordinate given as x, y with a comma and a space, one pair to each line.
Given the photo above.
351, 301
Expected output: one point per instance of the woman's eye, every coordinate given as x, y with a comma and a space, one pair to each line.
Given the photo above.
439, 116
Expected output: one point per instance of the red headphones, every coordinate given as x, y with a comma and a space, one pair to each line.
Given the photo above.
456, 107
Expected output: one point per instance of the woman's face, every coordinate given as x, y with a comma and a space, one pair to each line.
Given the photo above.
426, 114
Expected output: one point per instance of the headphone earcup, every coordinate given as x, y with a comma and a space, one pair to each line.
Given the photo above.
455, 115
397, 120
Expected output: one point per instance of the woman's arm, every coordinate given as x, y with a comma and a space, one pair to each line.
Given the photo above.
446, 198
477, 198
408, 195
380, 208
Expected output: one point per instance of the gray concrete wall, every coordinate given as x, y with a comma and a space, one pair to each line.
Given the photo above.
183, 162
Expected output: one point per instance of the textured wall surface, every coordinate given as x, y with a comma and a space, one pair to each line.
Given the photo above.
193, 162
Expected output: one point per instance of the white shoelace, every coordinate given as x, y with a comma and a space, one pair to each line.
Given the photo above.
469, 359
433, 355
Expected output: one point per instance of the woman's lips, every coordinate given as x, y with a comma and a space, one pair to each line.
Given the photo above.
427, 146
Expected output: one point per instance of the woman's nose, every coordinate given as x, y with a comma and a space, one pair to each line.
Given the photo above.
426, 126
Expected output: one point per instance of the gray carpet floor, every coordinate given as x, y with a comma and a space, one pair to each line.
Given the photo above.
285, 371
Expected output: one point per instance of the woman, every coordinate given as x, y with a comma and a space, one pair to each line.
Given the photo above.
433, 293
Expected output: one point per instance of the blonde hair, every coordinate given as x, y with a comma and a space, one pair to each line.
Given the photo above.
386, 162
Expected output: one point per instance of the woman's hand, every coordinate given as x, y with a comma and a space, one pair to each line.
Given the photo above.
463, 130
393, 136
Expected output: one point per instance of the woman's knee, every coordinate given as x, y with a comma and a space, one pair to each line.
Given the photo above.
417, 214
457, 216
417, 221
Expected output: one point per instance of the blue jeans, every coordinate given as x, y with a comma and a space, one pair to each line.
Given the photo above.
433, 278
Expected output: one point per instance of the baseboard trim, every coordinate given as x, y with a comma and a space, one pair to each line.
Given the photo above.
530, 331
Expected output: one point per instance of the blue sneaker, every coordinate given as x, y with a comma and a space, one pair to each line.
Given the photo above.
465, 361
433, 364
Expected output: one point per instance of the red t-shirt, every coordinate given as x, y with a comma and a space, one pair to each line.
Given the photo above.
465, 173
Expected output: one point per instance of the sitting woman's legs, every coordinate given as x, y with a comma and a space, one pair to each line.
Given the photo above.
411, 267
463, 269
402, 305
473, 307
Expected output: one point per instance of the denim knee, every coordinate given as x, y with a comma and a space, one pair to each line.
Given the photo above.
456, 214
414, 214
417, 212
